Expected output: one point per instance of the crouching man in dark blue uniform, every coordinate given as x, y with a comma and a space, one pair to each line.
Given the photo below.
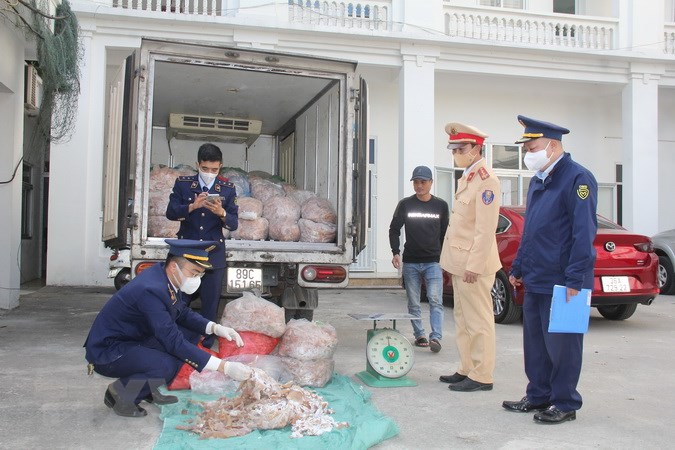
205, 204
556, 248
146, 331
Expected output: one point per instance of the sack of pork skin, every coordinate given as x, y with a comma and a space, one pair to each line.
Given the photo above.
251, 230
277, 209
311, 231
252, 313
305, 340
284, 230
312, 373
318, 210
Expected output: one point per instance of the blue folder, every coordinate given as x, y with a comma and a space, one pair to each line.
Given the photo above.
572, 316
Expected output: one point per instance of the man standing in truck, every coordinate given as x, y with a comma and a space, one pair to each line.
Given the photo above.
204, 204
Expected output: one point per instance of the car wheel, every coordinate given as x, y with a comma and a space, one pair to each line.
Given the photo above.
617, 312
665, 275
503, 306
122, 278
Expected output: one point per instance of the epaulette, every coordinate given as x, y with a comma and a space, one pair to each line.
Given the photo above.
224, 182
484, 175
186, 178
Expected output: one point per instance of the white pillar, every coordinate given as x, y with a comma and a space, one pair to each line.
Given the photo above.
11, 150
416, 113
75, 253
641, 151
415, 16
641, 25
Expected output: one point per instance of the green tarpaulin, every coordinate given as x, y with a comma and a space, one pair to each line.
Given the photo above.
351, 404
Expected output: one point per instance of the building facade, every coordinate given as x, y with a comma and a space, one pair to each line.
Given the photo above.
605, 69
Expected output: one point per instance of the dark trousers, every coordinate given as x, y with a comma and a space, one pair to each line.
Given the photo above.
552, 360
144, 367
209, 292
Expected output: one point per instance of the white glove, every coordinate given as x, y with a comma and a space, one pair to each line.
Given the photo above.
237, 371
228, 333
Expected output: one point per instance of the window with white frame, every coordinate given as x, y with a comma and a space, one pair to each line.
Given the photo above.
514, 178
565, 6
514, 4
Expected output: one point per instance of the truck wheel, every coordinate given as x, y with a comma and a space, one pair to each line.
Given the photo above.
666, 275
617, 312
503, 303
299, 314
122, 278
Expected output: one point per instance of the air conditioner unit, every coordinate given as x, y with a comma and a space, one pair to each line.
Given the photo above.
213, 128
32, 89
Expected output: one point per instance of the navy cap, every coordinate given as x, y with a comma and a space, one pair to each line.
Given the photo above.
421, 173
535, 129
194, 251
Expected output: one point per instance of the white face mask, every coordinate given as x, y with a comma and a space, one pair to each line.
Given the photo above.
189, 285
536, 160
207, 177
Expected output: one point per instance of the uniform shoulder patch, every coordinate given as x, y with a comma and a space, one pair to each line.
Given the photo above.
186, 178
484, 175
488, 197
583, 191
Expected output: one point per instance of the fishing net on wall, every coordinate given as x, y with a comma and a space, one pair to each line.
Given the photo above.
59, 53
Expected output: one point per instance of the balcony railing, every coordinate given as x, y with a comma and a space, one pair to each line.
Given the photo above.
669, 38
523, 27
368, 15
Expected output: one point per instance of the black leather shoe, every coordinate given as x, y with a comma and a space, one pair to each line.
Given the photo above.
454, 378
121, 408
553, 415
468, 385
524, 405
160, 399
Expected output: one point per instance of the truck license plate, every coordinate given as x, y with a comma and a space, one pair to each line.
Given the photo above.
615, 284
240, 279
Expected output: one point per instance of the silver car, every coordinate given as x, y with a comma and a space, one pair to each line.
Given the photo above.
664, 246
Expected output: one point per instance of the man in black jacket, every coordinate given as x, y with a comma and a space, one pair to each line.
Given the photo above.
425, 218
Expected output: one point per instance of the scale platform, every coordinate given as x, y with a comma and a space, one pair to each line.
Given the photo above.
389, 355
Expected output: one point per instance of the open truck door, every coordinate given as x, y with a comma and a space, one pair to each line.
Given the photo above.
360, 171
118, 185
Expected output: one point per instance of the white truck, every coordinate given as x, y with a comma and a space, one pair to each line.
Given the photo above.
300, 118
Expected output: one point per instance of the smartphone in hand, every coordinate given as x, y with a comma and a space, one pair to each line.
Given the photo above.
213, 198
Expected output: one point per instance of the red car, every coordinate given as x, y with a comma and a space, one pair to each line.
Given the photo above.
626, 269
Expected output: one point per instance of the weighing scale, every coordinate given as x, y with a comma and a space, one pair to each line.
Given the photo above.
389, 355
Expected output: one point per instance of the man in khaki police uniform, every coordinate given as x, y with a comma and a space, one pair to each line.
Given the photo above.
470, 255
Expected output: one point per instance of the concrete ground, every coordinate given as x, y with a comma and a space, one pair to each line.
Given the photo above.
48, 401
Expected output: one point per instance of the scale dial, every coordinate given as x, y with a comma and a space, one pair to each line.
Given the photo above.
390, 354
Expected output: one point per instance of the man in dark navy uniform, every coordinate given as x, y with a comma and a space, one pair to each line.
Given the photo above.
146, 331
556, 248
205, 204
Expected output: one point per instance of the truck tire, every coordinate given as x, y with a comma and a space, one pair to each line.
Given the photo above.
122, 278
503, 303
617, 312
666, 276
